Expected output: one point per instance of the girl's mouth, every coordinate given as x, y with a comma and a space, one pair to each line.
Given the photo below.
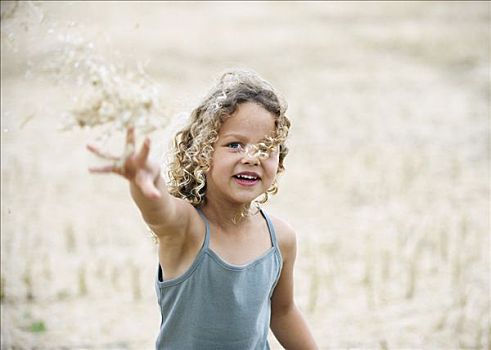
246, 179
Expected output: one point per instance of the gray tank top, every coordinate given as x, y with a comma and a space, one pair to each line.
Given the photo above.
216, 305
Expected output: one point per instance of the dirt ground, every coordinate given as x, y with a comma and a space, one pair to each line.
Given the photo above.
386, 183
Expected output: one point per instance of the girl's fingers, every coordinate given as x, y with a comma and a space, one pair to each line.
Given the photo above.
145, 150
101, 154
106, 169
130, 137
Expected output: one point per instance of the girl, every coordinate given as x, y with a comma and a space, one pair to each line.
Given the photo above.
226, 268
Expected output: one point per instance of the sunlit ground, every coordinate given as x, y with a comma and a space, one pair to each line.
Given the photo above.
387, 180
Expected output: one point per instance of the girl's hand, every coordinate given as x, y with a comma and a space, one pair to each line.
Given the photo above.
135, 167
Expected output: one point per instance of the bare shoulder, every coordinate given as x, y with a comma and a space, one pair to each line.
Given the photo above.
186, 232
184, 219
286, 236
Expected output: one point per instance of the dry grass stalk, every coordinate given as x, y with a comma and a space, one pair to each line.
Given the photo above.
115, 278
70, 241
82, 281
441, 322
3, 282
135, 282
27, 279
100, 271
368, 278
412, 273
63, 294
456, 277
386, 266
443, 244
8, 9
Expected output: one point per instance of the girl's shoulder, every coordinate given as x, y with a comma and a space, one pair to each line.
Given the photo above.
285, 235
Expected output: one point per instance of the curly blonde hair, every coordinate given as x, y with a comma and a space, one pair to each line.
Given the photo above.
193, 145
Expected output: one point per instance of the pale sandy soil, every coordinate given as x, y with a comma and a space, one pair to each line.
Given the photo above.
387, 182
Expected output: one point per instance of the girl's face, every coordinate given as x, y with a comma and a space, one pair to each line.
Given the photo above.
238, 174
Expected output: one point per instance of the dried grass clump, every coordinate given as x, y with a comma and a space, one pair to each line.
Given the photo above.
121, 98
113, 97
106, 93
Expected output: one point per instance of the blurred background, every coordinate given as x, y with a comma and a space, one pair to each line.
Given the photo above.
386, 183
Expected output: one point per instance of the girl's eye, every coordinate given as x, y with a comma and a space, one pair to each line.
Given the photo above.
234, 145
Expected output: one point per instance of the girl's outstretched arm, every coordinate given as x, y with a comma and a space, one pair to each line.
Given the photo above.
287, 322
161, 211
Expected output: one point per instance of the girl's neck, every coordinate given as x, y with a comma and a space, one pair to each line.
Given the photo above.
226, 216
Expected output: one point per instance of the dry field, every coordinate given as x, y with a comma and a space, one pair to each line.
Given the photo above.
387, 181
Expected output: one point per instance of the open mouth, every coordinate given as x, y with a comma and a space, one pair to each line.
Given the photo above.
246, 179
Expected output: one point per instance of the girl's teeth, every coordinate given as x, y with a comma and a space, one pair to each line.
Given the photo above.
247, 177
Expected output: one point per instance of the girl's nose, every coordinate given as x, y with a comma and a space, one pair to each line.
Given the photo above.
250, 156
251, 160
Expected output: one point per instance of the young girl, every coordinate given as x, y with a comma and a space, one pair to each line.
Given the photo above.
226, 268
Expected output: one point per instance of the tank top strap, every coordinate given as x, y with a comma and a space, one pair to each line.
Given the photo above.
272, 232
207, 232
